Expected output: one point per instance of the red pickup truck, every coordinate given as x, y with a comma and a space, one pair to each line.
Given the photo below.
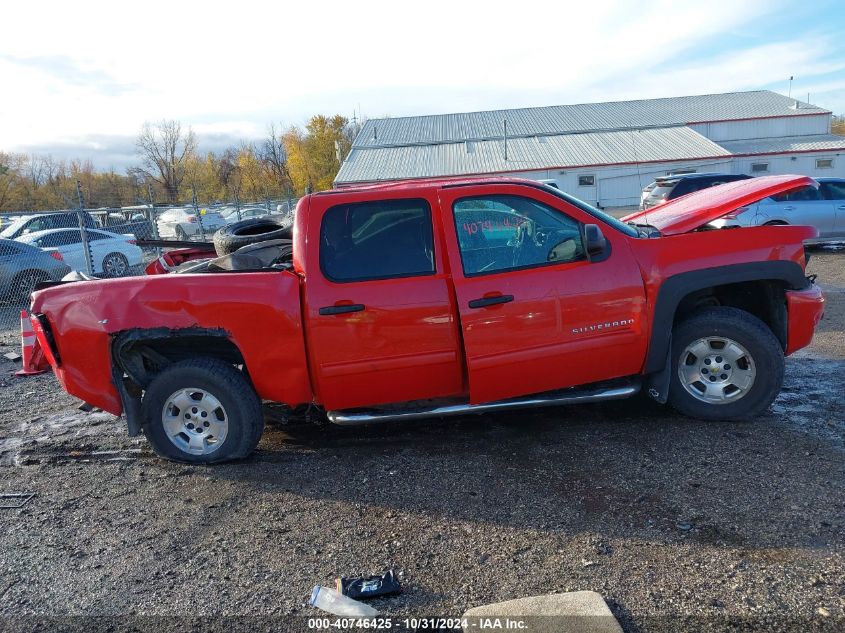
444, 297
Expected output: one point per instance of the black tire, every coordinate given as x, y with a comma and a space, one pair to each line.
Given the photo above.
233, 236
24, 284
115, 265
180, 234
241, 405
766, 358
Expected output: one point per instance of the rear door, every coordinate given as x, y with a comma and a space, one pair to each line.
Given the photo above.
379, 313
806, 206
536, 314
834, 191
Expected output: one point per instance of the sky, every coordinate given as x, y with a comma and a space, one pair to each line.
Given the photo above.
79, 79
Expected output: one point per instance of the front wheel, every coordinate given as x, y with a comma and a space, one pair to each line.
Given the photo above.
202, 410
726, 365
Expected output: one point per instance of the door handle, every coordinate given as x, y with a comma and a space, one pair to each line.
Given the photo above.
341, 309
841, 206
490, 301
789, 208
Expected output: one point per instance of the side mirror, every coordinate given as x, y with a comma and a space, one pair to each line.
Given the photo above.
594, 242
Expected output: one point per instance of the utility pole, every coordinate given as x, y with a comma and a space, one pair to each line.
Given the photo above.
790, 87
83, 229
505, 126
197, 211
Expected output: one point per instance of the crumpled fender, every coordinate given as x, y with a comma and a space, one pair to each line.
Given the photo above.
260, 311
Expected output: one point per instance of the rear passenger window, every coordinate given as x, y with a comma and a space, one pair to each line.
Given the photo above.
377, 240
833, 190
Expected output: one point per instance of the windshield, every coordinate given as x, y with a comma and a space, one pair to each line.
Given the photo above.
599, 215
10, 230
662, 190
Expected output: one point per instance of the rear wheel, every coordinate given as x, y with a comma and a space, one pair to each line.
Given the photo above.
727, 365
202, 411
115, 265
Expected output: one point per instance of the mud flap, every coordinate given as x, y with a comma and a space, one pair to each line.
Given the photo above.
131, 404
657, 383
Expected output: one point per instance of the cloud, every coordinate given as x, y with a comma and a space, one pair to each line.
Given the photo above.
100, 73
66, 71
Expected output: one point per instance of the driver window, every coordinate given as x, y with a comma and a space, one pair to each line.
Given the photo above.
498, 233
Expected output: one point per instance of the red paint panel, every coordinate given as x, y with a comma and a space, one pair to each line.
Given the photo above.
553, 333
404, 345
260, 312
804, 309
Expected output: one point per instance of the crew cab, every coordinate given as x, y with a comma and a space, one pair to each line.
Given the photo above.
443, 297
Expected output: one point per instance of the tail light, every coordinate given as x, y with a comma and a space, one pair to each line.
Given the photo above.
57, 256
132, 241
192, 218
736, 212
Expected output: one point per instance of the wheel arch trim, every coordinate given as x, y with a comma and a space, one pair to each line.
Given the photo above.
673, 290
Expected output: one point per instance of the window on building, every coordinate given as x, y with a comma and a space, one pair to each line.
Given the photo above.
587, 181
377, 240
824, 163
499, 233
759, 168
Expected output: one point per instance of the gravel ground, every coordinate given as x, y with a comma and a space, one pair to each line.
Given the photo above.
740, 523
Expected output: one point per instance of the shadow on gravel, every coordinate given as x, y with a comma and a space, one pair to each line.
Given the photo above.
624, 469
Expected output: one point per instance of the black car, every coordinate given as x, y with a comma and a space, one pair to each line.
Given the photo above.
670, 187
45, 221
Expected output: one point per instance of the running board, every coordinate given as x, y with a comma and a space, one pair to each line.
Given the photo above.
352, 417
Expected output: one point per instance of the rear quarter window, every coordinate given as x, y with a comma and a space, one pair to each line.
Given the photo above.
377, 240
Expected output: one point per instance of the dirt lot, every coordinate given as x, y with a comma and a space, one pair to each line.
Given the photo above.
665, 516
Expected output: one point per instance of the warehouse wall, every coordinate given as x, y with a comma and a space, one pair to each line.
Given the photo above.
801, 164
619, 186
764, 128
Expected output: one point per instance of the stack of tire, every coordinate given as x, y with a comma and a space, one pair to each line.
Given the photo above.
235, 236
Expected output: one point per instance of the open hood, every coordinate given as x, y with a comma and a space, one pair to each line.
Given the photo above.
696, 209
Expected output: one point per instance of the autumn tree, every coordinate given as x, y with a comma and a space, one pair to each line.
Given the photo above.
315, 155
165, 152
273, 154
838, 125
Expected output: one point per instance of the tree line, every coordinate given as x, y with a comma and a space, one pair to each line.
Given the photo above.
285, 163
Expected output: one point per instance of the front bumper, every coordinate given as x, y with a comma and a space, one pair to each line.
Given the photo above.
804, 309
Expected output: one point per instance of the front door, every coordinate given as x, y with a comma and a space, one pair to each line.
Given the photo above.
380, 315
536, 313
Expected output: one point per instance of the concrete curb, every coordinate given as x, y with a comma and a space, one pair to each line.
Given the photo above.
574, 612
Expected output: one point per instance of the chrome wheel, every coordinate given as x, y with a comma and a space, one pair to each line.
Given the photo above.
716, 370
115, 265
195, 421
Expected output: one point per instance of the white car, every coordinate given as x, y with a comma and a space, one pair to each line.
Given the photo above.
184, 223
112, 254
230, 214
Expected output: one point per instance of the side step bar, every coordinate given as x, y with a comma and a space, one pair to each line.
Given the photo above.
353, 417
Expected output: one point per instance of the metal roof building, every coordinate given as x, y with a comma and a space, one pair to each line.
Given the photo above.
603, 152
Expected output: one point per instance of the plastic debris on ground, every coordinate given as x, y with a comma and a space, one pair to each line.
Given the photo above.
370, 587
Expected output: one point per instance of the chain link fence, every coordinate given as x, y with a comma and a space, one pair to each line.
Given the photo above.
107, 242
